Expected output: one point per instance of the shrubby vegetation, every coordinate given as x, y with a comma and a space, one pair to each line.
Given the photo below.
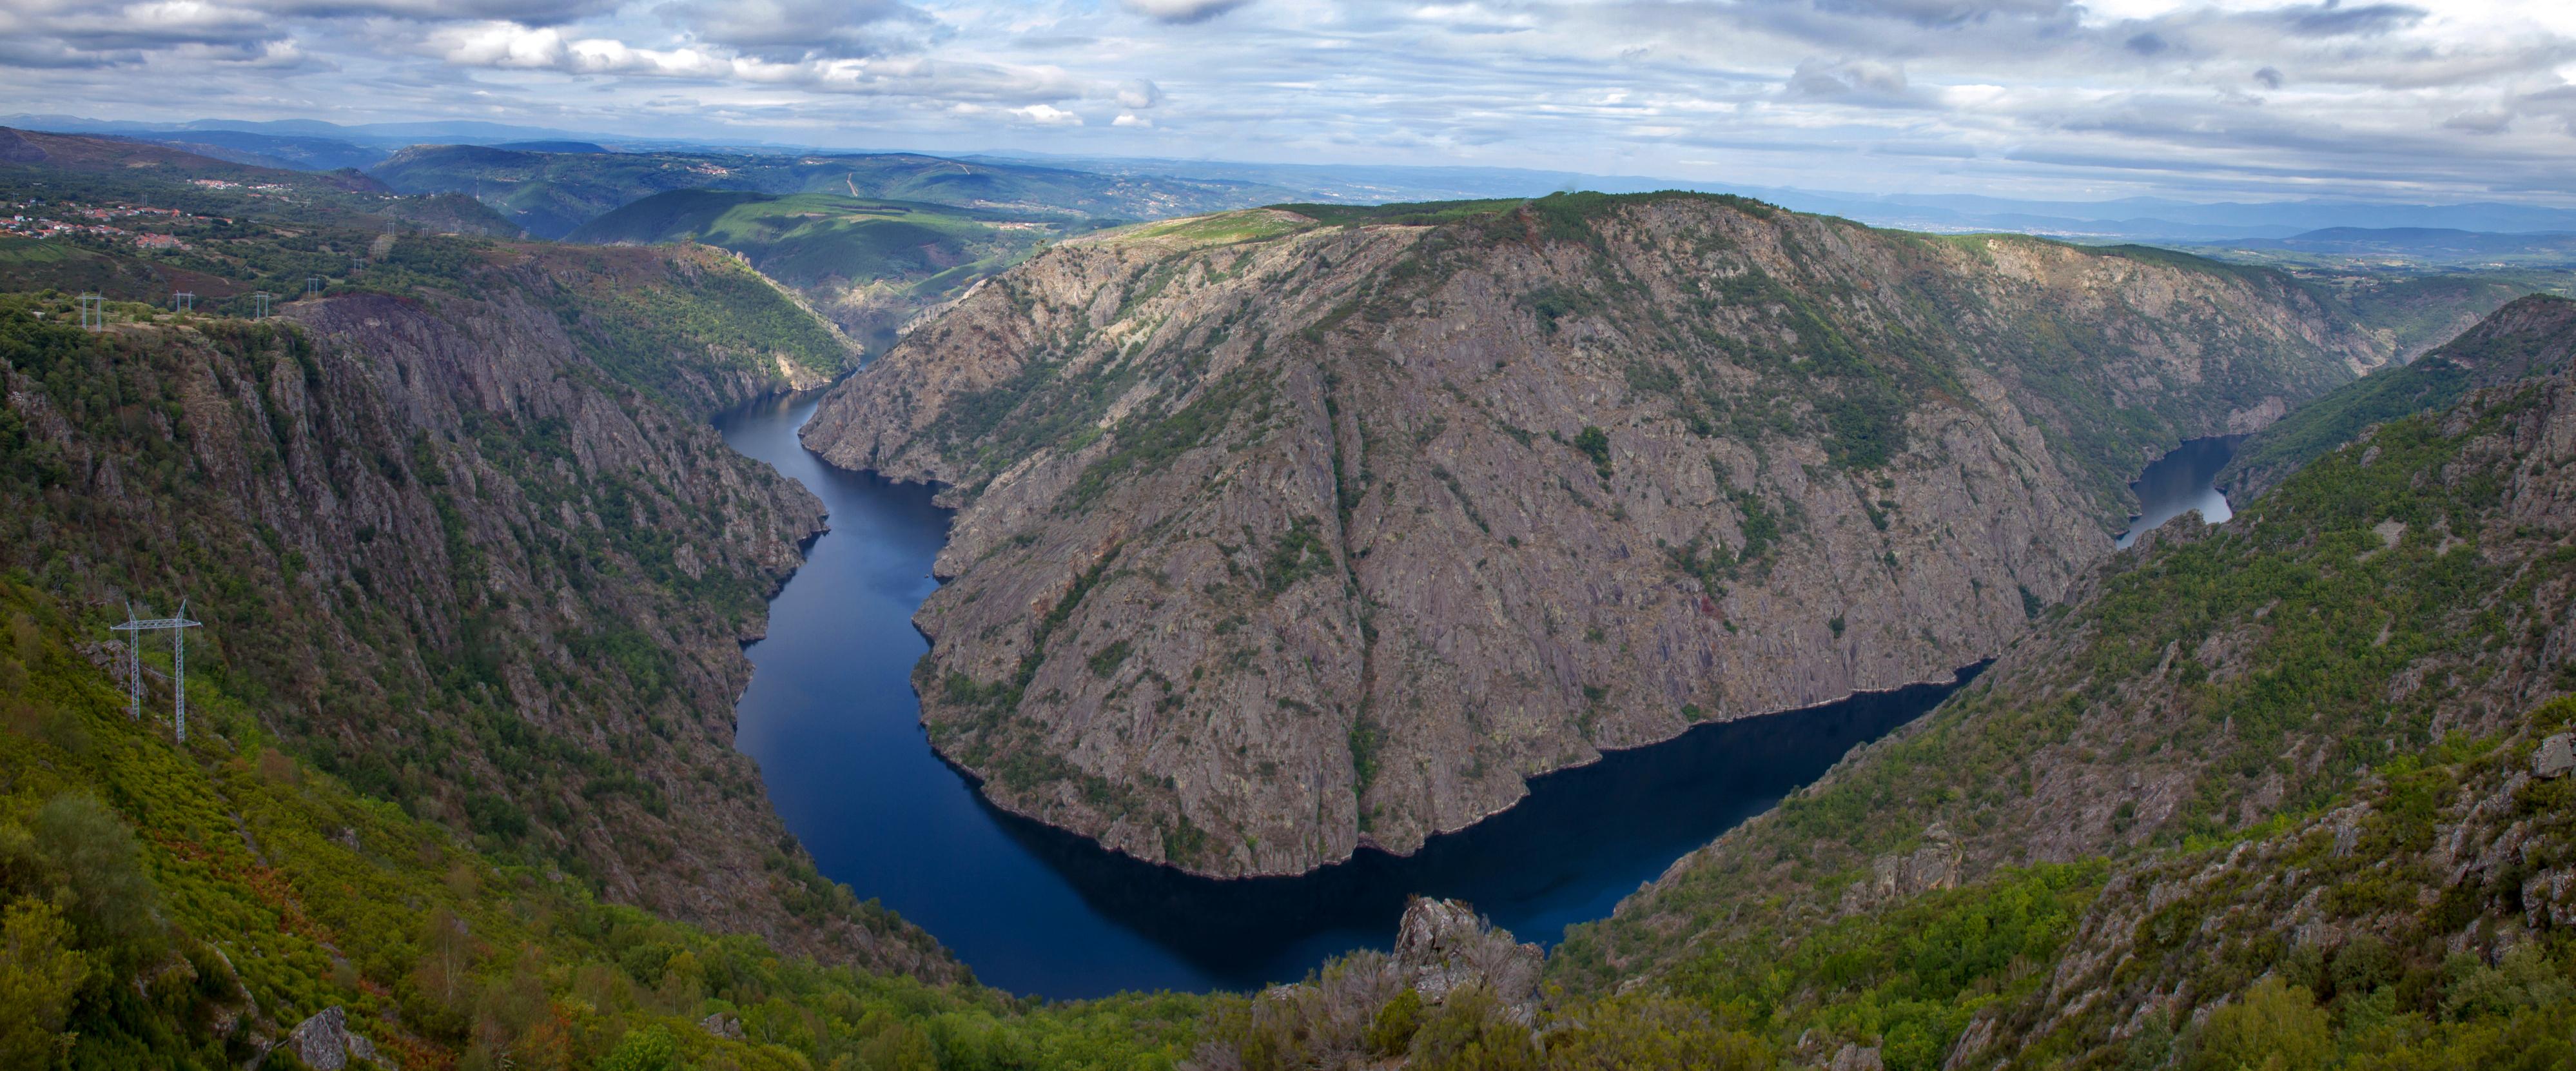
170, 907
2297, 908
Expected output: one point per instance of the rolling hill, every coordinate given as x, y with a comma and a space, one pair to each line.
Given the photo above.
869, 264
552, 193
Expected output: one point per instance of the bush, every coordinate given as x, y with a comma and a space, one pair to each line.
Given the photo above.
1654, 1031
1391, 1033
1471, 1032
2274, 1027
91, 854
649, 1049
39, 977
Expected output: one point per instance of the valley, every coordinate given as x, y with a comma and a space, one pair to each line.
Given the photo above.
878, 628
1293, 532
831, 718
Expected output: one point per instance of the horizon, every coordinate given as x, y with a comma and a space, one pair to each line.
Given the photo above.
2231, 101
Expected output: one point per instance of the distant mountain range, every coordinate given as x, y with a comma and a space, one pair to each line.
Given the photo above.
313, 145
2430, 244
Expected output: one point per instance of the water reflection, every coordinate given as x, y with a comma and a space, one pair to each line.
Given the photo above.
2180, 481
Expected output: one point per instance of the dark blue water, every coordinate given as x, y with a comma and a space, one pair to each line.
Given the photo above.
831, 717
2184, 479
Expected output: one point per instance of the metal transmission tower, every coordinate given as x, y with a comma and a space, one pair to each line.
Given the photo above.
262, 298
93, 312
312, 285
178, 627
183, 301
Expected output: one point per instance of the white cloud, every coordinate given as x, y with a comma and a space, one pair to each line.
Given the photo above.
1130, 119
1047, 115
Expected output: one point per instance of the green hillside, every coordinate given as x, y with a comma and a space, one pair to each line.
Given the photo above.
176, 905
814, 239
2529, 337
2268, 766
869, 264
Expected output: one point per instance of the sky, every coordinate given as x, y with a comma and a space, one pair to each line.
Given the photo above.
2444, 100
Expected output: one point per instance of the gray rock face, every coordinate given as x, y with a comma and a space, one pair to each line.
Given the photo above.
1280, 539
1857, 1058
1444, 944
323, 1042
1933, 865
2555, 756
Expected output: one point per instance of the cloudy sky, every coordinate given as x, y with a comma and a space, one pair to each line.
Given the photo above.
2436, 100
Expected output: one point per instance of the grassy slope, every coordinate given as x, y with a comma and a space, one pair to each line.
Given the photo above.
175, 906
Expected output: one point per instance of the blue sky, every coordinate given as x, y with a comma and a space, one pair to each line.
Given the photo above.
2238, 99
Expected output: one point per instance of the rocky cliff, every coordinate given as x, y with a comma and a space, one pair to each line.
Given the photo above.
2315, 756
471, 549
1288, 532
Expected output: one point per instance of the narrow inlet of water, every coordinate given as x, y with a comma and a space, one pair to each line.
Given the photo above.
2180, 481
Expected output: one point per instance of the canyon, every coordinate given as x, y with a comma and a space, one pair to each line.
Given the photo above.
1289, 531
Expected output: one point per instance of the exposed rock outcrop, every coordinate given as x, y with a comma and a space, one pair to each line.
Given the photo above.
1280, 539
323, 1042
1443, 945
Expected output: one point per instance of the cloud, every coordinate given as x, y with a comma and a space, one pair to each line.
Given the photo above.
2331, 19
1862, 82
524, 12
2097, 97
788, 30
1182, 11
1047, 115
2484, 122
1139, 93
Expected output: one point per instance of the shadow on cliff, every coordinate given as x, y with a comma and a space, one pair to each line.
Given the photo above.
1581, 840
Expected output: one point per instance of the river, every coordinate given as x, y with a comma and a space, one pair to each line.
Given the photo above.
2179, 481
832, 720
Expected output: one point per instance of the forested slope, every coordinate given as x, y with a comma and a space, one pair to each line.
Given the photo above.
189, 906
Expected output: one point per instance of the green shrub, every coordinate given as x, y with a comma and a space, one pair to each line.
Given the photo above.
2272, 1027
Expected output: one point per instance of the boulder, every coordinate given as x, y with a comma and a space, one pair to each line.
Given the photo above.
324, 1043
2555, 756
1444, 944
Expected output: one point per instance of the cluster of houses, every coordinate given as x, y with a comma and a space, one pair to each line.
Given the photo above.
26, 226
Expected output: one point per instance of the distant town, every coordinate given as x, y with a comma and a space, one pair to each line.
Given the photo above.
38, 219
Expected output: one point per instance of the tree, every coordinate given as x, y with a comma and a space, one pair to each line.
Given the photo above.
39, 976
2275, 1027
92, 856
649, 1049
